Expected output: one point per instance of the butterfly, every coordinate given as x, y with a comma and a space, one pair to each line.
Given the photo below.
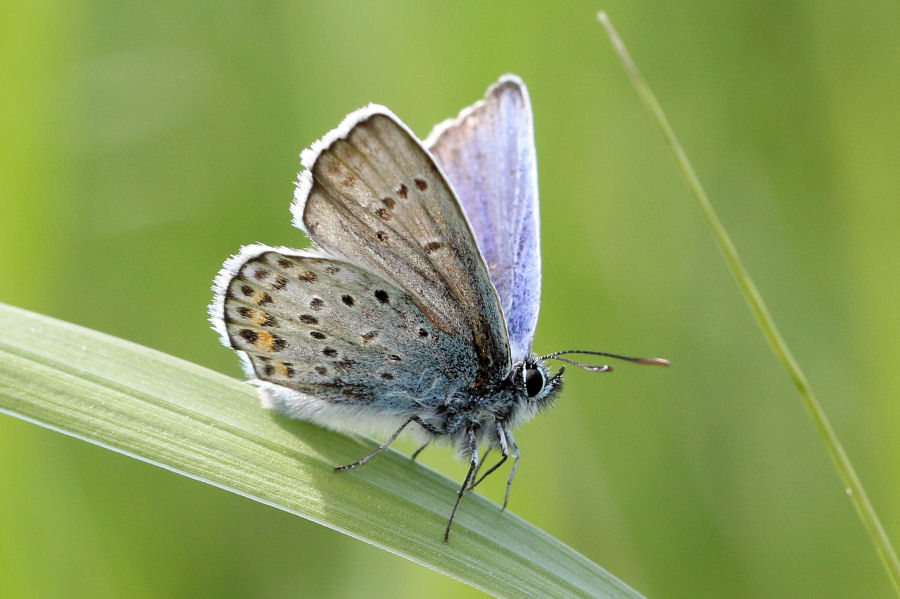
418, 303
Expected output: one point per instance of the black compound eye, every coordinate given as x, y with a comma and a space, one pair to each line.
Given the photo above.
534, 380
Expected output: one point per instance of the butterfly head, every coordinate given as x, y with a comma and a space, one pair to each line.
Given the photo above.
534, 378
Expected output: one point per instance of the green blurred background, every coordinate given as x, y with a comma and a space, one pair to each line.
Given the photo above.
141, 144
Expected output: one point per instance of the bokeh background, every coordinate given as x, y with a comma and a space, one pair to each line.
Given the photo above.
142, 143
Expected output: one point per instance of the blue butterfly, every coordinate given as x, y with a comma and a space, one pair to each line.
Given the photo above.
418, 304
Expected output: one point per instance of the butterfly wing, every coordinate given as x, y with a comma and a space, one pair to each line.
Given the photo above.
330, 340
488, 155
372, 195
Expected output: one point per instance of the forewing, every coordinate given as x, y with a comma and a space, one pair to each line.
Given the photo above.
488, 155
372, 194
337, 335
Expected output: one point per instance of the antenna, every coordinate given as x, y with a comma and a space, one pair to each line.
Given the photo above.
604, 367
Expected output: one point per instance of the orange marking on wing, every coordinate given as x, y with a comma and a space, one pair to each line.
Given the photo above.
265, 341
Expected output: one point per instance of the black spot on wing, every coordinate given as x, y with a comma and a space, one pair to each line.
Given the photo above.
263, 298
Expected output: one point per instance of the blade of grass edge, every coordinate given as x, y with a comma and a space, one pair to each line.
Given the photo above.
852, 484
204, 425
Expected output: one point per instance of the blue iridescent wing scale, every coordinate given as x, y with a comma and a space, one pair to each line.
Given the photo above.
488, 154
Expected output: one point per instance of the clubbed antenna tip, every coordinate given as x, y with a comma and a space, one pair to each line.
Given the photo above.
653, 361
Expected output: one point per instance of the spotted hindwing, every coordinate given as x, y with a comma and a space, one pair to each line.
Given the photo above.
335, 335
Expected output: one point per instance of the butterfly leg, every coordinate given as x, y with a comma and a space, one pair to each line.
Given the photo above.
416, 453
481, 463
514, 450
378, 449
428, 427
472, 449
504, 451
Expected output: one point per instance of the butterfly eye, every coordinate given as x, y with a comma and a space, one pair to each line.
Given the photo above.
534, 380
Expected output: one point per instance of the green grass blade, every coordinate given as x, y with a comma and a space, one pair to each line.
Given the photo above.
207, 426
852, 484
